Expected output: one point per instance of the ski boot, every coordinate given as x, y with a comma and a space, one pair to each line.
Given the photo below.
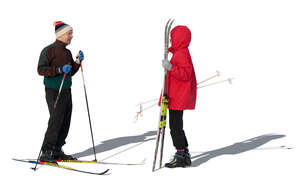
60, 155
187, 157
180, 159
177, 161
48, 156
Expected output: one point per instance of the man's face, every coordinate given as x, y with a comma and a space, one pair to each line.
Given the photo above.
67, 37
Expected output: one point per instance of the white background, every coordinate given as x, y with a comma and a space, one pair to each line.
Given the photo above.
257, 42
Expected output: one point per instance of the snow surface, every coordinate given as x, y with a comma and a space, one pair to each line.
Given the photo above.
235, 134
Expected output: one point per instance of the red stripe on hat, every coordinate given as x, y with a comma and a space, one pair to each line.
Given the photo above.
56, 23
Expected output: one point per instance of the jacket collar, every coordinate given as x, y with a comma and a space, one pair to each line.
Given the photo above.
60, 43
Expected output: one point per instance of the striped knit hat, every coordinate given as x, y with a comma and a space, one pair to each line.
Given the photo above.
61, 28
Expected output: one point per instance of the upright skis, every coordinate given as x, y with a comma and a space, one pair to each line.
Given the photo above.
164, 102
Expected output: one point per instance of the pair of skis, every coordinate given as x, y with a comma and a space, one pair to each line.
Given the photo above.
164, 102
55, 164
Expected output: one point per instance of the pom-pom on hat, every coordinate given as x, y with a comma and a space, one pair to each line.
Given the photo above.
61, 28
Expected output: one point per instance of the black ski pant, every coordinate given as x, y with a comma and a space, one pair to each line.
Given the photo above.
60, 118
176, 127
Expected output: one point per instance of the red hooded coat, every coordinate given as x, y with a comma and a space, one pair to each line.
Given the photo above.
181, 79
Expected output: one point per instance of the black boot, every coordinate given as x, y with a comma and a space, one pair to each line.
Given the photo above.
60, 155
48, 156
177, 161
187, 157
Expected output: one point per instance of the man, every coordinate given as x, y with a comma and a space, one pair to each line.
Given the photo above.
181, 90
55, 61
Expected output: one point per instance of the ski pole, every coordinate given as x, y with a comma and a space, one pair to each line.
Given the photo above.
142, 109
217, 74
62, 82
209, 78
58, 95
88, 110
38, 158
142, 103
228, 80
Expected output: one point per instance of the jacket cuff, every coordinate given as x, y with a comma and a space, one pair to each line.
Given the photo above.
77, 61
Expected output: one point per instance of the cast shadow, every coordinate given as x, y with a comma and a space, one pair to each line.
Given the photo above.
115, 143
233, 149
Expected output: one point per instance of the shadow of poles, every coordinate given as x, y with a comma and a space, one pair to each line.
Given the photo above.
234, 149
111, 144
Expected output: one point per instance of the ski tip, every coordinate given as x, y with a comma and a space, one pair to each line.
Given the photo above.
172, 21
17, 159
103, 173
